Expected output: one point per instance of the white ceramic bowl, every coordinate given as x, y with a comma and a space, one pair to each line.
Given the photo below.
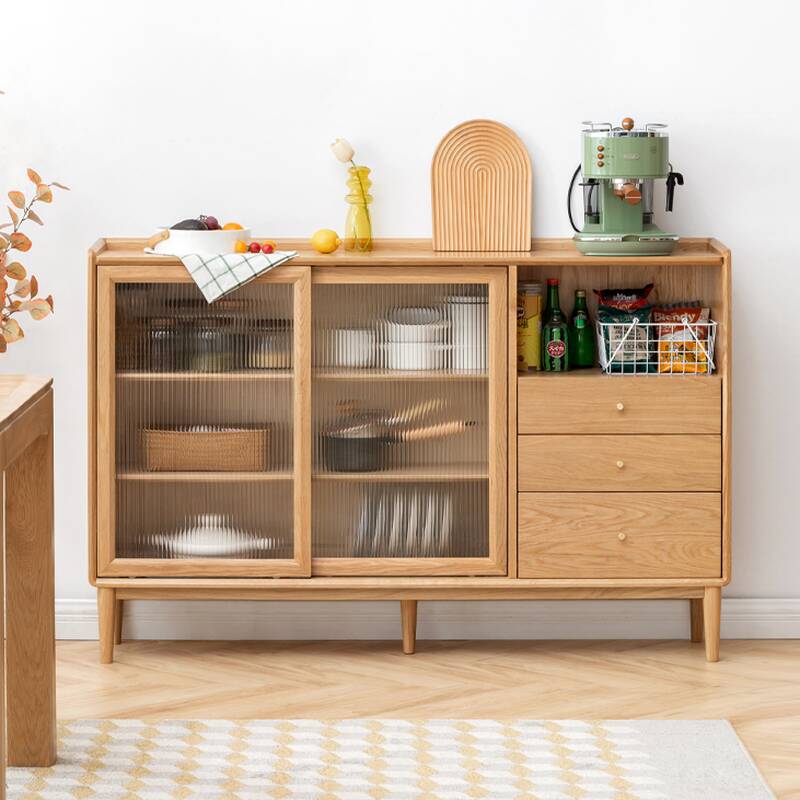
415, 324
204, 243
415, 355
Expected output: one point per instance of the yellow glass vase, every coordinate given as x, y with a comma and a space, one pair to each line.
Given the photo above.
358, 225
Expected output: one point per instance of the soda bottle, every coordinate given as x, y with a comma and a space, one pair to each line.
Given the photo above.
581, 336
555, 333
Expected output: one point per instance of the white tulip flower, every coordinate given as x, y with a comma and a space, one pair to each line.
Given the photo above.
343, 150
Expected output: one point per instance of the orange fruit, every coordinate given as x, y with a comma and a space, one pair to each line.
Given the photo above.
232, 226
240, 246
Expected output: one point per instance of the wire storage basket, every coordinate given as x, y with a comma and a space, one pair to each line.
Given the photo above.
656, 348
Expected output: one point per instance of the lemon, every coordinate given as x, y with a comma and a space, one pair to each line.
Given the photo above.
325, 241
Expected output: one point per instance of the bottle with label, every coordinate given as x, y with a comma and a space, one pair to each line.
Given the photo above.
581, 335
555, 333
529, 326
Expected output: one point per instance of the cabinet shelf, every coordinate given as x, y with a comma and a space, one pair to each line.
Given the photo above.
253, 375
446, 472
398, 375
205, 477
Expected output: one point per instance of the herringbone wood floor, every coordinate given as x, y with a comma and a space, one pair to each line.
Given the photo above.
756, 685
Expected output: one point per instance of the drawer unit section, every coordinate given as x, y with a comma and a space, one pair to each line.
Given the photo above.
615, 463
620, 535
590, 403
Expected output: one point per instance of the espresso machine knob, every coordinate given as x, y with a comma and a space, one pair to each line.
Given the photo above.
627, 123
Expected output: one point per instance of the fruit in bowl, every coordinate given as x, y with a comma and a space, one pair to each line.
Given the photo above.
202, 235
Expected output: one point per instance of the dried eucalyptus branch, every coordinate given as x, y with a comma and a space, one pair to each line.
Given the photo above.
23, 295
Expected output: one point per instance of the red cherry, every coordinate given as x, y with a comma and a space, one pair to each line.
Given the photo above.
255, 247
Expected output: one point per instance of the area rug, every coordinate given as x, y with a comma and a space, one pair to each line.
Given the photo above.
385, 759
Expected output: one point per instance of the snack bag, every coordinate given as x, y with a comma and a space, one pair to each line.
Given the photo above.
624, 299
624, 348
678, 349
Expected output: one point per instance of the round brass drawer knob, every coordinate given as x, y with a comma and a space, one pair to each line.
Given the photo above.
620, 406
622, 537
620, 464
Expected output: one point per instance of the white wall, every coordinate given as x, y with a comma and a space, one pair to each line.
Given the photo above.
157, 111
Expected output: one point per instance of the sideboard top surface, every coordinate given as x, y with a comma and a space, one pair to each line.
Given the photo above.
419, 252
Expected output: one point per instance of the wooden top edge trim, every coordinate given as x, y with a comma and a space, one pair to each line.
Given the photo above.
692, 250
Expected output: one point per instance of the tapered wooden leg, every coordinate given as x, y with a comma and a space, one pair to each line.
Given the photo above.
30, 608
118, 612
408, 614
105, 616
696, 617
712, 606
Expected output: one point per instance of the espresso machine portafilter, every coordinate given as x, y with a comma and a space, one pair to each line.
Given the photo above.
619, 166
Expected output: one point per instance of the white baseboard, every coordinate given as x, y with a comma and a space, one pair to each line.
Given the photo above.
599, 619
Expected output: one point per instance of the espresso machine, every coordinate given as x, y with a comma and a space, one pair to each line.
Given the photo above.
618, 168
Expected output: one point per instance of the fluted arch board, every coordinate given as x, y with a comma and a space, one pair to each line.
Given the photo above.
481, 189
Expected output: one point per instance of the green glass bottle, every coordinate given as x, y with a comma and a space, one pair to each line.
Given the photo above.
555, 333
581, 336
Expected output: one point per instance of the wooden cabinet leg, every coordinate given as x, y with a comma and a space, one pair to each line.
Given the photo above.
712, 606
105, 616
118, 612
696, 618
30, 608
408, 615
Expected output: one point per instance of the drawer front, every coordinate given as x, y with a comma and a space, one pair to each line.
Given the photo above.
580, 403
616, 463
620, 535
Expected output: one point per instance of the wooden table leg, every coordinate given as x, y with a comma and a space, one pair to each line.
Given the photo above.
30, 607
408, 615
712, 606
119, 610
106, 606
696, 618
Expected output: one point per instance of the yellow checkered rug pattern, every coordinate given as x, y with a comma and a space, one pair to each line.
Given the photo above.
344, 760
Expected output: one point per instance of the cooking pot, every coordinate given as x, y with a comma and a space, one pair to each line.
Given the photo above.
362, 448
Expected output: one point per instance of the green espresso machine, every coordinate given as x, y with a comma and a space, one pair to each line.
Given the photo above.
619, 166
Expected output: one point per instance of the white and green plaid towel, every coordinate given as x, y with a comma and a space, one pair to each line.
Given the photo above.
219, 275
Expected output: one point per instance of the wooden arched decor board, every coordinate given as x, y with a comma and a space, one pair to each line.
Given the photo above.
481, 189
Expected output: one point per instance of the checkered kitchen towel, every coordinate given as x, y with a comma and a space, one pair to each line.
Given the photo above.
219, 275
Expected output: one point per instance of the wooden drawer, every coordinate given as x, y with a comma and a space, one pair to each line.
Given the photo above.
620, 535
638, 463
596, 403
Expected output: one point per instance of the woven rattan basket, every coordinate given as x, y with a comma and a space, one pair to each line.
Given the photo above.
202, 449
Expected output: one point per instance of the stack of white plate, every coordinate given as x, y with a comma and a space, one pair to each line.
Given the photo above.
414, 339
402, 522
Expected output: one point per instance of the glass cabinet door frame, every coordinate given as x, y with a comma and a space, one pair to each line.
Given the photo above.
108, 564
495, 563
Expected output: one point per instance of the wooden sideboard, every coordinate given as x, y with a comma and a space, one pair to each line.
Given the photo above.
578, 485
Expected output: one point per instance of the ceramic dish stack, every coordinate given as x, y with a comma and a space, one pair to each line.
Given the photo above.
415, 339
213, 536
405, 522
